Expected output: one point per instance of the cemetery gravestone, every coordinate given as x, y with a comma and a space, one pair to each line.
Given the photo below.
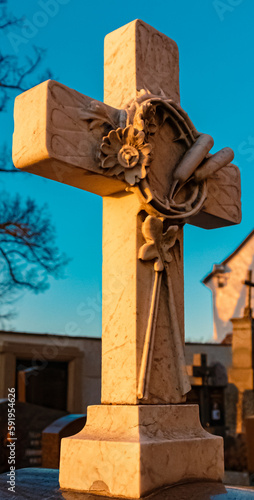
141, 152
208, 384
52, 435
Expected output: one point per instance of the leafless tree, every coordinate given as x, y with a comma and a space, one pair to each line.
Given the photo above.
15, 75
28, 253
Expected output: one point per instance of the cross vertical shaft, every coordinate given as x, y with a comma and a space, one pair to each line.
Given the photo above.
125, 313
132, 64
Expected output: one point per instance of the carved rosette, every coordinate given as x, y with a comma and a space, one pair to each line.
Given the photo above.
125, 153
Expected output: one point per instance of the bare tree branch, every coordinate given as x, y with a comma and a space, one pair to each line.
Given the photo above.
13, 73
28, 252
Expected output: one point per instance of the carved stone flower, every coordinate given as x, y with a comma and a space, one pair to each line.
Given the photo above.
157, 244
124, 151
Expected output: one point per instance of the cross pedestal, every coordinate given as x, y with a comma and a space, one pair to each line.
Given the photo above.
141, 152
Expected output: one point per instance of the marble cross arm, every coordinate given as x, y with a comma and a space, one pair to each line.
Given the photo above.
58, 133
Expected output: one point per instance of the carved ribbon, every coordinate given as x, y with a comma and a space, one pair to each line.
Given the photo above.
157, 248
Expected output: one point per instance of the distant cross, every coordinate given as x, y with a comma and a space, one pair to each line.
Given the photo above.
142, 154
249, 284
205, 372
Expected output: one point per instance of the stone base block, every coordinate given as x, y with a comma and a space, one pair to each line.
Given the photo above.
130, 451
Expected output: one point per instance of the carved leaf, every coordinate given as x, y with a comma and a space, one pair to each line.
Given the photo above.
152, 230
168, 241
97, 115
76, 126
149, 251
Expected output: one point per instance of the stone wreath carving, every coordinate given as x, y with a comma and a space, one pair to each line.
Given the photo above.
127, 153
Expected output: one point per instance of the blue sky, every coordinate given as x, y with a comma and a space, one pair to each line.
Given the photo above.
215, 40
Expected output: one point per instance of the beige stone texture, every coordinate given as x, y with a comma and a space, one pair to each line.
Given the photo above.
57, 141
242, 378
223, 204
137, 57
132, 450
126, 310
241, 374
242, 343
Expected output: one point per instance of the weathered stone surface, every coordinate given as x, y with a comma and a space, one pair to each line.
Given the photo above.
242, 374
125, 314
58, 141
133, 450
138, 57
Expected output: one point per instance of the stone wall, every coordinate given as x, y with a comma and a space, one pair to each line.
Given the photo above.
82, 354
215, 353
229, 292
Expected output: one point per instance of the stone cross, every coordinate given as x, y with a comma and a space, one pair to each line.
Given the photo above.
203, 371
141, 152
249, 285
